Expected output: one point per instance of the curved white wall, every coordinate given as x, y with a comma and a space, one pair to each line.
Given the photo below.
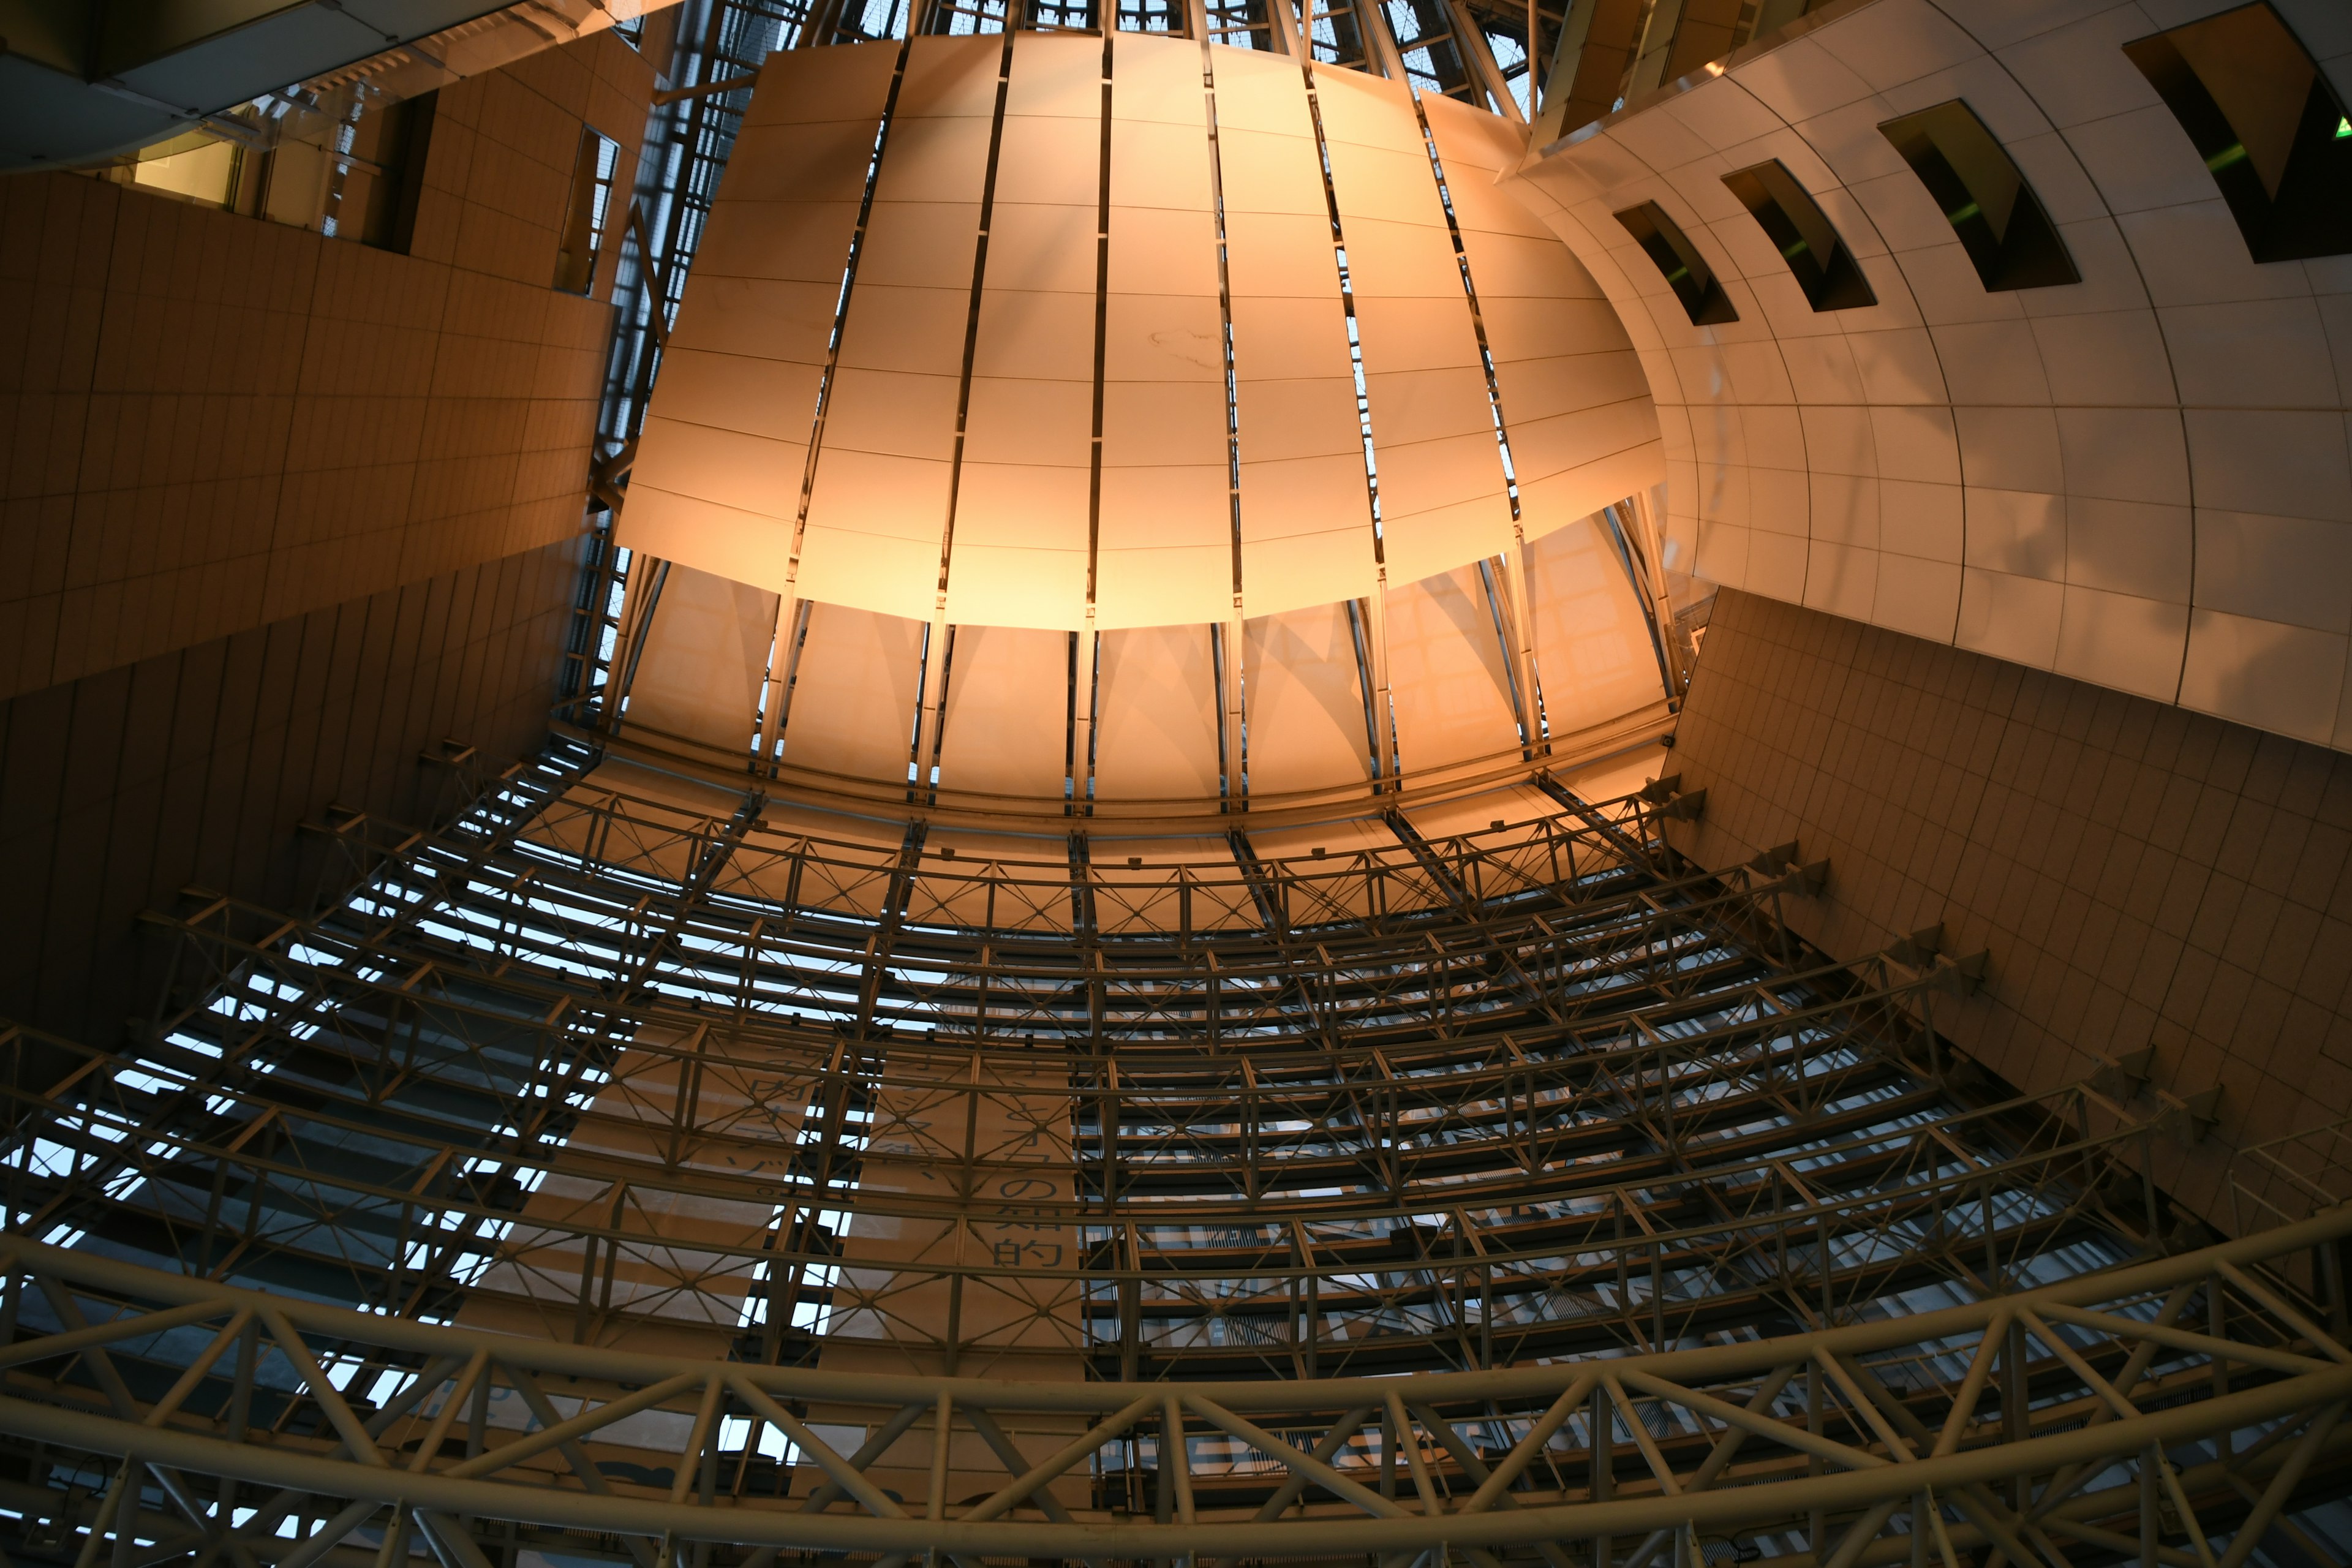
2139, 481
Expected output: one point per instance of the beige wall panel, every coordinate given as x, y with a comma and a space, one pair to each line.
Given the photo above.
1266, 173
1474, 815
1029, 334
1532, 327
853, 699
1594, 659
1159, 163
1285, 254
1035, 246
890, 415
1164, 540
1156, 738
1436, 538
1570, 492
1006, 570
1260, 93
1007, 725
886, 576
1159, 79
879, 509
1296, 570
1306, 702
907, 329
951, 77
706, 655
815, 85
1022, 503
730, 422
1366, 110
1306, 515
870, 841
1157, 251
1030, 421
804, 163
1049, 160
758, 318
1443, 494
1057, 76
1575, 403
1131, 583
772, 399
750, 547
1452, 691
745, 473
921, 244
1433, 405
1163, 338
792, 241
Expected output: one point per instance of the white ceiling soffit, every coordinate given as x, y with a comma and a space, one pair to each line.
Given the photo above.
2140, 480
725, 446
705, 655
1594, 659
718, 474
1156, 732
1306, 703
880, 502
1452, 689
1007, 730
851, 709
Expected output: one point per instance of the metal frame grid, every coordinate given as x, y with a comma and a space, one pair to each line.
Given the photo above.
600, 1079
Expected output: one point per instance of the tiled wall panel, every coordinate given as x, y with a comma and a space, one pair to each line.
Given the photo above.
211, 422
2140, 874
196, 767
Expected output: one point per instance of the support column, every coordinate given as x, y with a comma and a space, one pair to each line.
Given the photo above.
1518, 628
1086, 680
1379, 41
640, 597
1596, 40
934, 688
1648, 508
1479, 56
1230, 652
781, 637
1377, 653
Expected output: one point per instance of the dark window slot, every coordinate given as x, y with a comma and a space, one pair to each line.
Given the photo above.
1984, 196
404, 144
2267, 122
1803, 235
593, 170
1679, 262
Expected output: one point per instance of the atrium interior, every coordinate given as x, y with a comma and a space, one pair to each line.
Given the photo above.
1176, 781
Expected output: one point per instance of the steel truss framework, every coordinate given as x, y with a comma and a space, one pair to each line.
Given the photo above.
2172, 1411
629, 1128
